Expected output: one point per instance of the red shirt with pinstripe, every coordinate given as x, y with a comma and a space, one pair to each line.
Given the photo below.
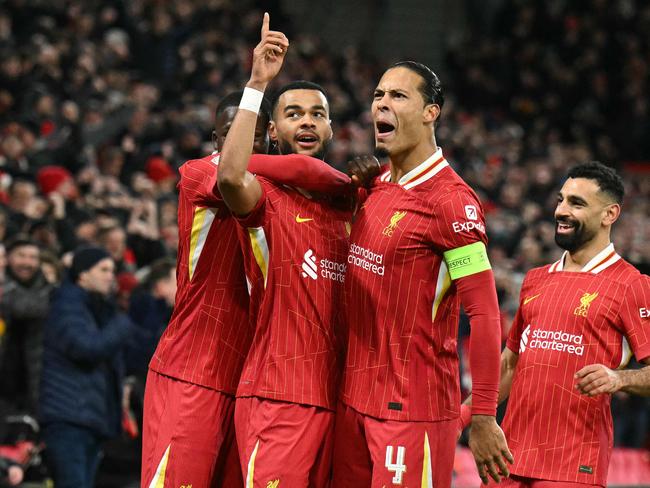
568, 320
209, 334
295, 249
403, 309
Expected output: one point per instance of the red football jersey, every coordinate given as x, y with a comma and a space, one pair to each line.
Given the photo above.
208, 335
295, 250
403, 308
568, 320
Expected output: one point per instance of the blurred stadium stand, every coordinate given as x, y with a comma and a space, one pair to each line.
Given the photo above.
117, 94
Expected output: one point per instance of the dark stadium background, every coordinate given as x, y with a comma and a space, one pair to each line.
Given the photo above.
118, 94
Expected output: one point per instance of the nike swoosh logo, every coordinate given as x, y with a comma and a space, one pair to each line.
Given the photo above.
301, 220
530, 299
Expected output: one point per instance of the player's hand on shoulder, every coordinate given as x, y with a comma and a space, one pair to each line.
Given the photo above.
363, 169
490, 449
596, 379
268, 55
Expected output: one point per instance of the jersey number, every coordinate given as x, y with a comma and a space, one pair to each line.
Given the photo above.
398, 467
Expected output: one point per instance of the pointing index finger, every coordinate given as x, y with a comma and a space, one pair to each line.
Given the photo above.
265, 23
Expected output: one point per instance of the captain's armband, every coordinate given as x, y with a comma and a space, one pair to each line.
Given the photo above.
467, 260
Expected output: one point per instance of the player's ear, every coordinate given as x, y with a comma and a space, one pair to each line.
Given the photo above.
431, 113
273, 132
611, 214
214, 140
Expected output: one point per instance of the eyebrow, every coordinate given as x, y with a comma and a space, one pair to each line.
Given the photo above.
300, 107
573, 198
392, 91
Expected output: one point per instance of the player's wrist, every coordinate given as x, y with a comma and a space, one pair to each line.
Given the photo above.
481, 419
256, 84
251, 100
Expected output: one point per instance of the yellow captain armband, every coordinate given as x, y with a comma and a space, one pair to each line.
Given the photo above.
467, 260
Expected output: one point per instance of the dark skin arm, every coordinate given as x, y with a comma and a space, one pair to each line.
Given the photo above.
597, 379
240, 189
363, 169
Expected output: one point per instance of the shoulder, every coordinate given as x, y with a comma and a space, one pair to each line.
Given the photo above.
633, 277
539, 273
69, 294
207, 163
624, 273
448, 189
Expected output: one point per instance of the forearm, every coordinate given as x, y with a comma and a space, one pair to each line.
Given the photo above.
237, 186
505, 380
478, 295
636, 381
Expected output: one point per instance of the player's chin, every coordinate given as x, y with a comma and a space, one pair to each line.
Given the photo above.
315, 151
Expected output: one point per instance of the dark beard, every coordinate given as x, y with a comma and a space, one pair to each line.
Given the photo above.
284, 147
575, 240
381, 153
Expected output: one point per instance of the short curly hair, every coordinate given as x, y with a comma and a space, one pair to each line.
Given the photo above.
608, 180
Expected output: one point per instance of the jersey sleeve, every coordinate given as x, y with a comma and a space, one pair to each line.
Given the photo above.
635, 317
199, 183
458, 221
299, 170
259, 216
516, 330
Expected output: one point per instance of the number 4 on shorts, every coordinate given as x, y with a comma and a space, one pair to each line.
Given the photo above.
398, 467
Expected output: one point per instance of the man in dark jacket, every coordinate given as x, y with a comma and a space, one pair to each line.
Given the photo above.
83, 368
24, 307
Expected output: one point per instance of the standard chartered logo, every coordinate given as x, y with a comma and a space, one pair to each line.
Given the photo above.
524, 339
329, 269
551, 340
309, 267
366, 259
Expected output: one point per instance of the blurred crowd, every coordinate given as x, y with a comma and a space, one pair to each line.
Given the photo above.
102, 101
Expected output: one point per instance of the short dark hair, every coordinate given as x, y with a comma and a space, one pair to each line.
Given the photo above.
296, 85
431, 88
159, 270
232, 100
20, 240
609, 181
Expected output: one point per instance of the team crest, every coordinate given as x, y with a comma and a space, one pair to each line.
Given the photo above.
585, 302
394, 220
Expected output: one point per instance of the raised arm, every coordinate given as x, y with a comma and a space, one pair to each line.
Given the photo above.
240, 189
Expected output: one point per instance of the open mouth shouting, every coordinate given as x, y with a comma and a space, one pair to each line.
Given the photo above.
307, 140
384, 129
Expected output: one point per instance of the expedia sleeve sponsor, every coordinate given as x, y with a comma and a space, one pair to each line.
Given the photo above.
467, 260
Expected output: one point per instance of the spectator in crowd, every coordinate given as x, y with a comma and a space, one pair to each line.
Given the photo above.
150, 309
102, 88
24, 306
81, 385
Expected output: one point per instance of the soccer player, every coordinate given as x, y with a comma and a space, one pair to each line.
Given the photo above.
188, 435
578, 322
295, 247
417, 251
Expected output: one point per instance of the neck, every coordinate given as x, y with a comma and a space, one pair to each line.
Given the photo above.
402, 163
576, 260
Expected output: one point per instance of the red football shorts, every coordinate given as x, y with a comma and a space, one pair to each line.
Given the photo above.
515, 481
379, 453
188, 437
284, 444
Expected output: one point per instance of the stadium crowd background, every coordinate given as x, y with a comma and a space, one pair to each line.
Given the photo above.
101, 102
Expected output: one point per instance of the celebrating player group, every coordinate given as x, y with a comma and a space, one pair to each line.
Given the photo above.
313, 341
